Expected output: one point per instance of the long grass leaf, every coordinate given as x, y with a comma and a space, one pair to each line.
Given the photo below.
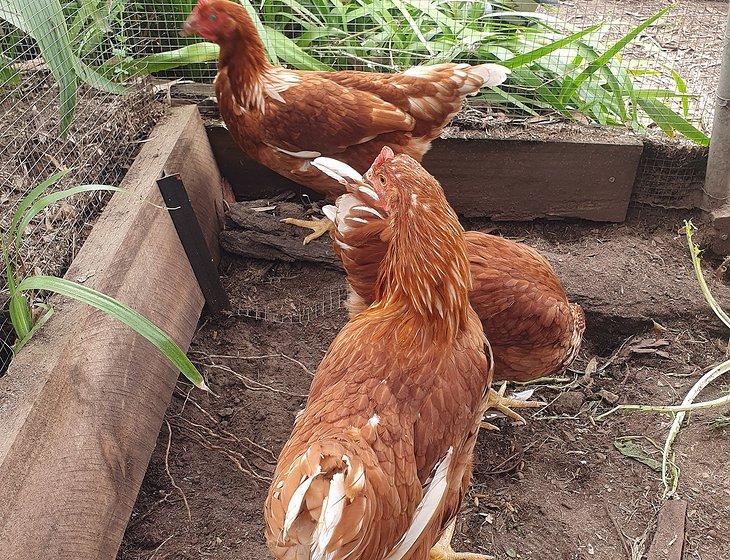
28, 200
43, 202
38, 325
190, 54
611, 52
665, 117
20, 315
121, 312
535, 54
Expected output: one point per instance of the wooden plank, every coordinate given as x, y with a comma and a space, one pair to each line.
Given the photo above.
488, 178
83, 402
193, 240
668, 542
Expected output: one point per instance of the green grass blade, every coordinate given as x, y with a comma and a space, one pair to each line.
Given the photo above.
121, 312
665, 117
611, 52
42, 320
288, 51
20, 315
32, 196
41, 203
533, 55
43, 20
413, 25
191, 54
681, 88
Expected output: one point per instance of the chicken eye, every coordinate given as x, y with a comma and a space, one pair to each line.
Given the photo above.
212, 16
381, 178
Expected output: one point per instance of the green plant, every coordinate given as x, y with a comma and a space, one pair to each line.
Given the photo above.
44, 21
19, 288
670, 473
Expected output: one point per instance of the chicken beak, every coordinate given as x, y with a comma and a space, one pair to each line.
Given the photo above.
189, 27
337, 170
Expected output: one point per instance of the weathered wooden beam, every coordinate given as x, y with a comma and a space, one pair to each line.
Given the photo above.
83, 402
501, 179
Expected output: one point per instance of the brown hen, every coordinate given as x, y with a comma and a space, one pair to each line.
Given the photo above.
285, 118
532, 328
379, 460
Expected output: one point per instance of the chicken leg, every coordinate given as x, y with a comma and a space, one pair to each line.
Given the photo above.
319, 227
442, 549
497, 401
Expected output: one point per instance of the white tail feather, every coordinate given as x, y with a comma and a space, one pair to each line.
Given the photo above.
427, 508
330, 212
492, 74
332, 508
297, 499
337, 170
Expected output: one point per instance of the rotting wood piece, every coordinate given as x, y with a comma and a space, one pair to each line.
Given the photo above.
261, 235
489, 178
668, 542
83, 402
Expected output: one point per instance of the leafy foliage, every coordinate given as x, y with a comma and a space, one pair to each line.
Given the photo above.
556, 67
26, 324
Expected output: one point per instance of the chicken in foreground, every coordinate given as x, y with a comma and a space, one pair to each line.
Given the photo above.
532, 328
286, 118
380, 459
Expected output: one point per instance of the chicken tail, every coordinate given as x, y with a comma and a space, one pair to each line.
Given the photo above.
489, 74
318, 507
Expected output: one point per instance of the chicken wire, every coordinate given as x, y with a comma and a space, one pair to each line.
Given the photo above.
113, 36
674, 62
106, 132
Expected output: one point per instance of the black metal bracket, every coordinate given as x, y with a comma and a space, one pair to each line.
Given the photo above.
192, 239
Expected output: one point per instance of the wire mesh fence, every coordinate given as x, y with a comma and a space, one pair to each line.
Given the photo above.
76, 94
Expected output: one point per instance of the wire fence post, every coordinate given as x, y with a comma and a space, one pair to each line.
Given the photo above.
717, 183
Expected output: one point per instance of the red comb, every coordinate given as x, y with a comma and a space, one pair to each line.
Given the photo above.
385, 154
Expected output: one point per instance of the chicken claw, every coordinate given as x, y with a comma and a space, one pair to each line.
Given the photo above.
319, 227
442, 549
497, 401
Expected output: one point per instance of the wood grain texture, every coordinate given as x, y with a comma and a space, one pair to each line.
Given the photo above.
488, 178
82, 404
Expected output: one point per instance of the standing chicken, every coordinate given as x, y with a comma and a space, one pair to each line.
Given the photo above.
285, 118
380, 459
532, 328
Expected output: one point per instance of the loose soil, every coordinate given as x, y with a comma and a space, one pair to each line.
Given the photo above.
555, 489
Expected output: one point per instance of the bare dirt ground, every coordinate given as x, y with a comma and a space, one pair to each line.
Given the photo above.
556, 489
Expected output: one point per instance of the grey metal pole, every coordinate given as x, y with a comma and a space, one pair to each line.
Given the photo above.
717, 181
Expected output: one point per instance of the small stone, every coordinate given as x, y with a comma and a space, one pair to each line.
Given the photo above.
601, 457
237, 400
608, 396
568, 403
225, 412
224, 424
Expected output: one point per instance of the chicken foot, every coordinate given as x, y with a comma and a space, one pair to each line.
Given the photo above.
497, 401
442, 549
319, 227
